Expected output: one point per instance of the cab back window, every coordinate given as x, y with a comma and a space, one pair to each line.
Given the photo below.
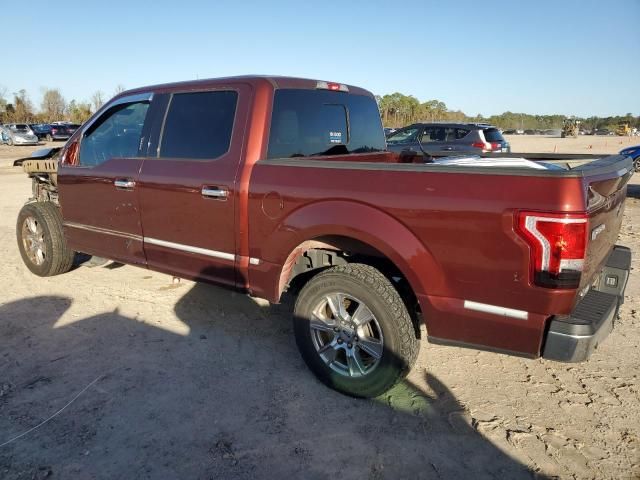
199, 125
318, 122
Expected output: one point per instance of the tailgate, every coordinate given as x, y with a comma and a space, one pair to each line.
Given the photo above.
606, 184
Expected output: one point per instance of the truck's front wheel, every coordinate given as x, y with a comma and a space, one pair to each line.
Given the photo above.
41, 240
353, 330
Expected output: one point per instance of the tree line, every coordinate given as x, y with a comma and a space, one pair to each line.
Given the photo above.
18, 108
398, 110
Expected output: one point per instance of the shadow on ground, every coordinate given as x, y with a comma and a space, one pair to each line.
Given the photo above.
229, 399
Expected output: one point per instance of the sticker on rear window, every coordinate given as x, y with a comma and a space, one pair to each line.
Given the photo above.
335, 137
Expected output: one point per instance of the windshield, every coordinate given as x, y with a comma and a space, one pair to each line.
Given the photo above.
492, 135
20, 128
321, 122
406, 135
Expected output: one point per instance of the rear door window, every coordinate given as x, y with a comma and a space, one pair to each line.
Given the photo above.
198, 125
461, 133
320, 122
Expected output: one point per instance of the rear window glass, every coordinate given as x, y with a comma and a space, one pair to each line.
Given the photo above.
199, 125
319, 122
492, 135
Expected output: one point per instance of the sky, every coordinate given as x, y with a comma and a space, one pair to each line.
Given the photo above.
549, 56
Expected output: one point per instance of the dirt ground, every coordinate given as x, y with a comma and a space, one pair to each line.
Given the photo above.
135, 376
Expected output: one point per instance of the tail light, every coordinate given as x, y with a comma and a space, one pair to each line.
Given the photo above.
496, 146
558, 246
482, 145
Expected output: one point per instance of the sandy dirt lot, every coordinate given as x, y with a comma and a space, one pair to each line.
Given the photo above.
146, 378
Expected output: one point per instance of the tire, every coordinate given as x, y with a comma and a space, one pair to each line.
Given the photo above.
49, 137
41, 240
361, 361
10, 142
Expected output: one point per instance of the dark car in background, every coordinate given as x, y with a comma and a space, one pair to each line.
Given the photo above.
41, 130
60, 131
443, 139
634, 153
72, 127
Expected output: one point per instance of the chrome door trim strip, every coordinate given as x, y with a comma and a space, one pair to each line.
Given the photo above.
191, 249
496, 310
162, 243
105, 231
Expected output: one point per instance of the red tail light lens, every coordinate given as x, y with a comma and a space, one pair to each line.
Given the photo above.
558, 246
482, 145
496, 146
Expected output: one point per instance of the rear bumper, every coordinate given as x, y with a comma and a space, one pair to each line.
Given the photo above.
573, 338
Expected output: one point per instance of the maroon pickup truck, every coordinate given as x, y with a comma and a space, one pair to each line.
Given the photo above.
268, 184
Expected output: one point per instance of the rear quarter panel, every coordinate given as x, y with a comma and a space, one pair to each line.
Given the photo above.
451, 234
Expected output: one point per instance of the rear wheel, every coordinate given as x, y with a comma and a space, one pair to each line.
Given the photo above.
49, 137
353, 330
41, 240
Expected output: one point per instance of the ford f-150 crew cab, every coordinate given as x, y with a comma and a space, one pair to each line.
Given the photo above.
269, 184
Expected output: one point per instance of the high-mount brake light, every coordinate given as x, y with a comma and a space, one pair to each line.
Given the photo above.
336, 87
558, 246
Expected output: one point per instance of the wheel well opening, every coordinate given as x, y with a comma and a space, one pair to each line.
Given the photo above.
325, 252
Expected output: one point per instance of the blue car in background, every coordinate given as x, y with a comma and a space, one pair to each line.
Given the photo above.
42, 131
633, 152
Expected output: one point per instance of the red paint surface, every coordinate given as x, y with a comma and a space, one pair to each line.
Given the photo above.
450, 234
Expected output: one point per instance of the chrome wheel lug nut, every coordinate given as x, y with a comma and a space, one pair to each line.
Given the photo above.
349, 345
340, 341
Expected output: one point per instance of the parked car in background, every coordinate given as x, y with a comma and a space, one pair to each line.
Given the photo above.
510, 132
442, 139
20, 134
4, 135
72, 127
603, 131
42, 131
60, 131
634, 153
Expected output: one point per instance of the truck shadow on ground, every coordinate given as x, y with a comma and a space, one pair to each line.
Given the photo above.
214, 397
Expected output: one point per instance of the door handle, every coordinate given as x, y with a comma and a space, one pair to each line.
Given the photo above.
220, 193
124, 183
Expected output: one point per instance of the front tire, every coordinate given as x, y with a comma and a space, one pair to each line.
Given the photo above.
41, 240
354, 331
